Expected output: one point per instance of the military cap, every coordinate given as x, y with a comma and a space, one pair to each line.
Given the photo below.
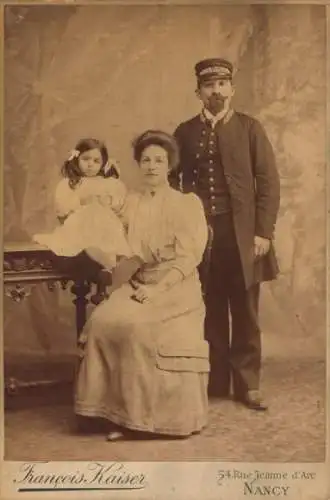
216, 68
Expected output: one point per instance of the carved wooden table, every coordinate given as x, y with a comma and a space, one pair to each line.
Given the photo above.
28, 264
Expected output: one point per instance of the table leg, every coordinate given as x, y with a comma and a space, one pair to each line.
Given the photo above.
80, 289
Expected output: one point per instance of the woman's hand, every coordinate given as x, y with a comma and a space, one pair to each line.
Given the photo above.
145, 293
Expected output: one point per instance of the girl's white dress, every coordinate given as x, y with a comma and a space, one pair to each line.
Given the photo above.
92, 222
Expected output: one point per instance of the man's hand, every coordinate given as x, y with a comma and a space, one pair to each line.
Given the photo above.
261, 246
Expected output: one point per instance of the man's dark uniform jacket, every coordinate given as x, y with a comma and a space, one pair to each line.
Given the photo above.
232, 168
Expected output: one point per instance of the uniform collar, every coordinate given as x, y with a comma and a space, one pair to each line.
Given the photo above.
213, 120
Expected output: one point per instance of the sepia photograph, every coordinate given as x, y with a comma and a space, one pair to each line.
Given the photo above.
164, 220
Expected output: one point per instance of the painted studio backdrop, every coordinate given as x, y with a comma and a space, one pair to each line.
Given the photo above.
111, 72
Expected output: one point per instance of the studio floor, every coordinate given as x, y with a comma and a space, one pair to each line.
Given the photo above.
293, 430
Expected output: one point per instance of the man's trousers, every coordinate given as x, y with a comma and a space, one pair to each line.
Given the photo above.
231, 325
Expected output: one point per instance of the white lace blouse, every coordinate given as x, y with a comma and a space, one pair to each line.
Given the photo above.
168, 228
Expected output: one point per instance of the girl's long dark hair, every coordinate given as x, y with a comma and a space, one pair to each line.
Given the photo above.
71, 170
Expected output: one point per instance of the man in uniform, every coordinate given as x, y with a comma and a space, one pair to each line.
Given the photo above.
227, 159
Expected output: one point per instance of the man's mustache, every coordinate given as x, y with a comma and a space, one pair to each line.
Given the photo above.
216, 97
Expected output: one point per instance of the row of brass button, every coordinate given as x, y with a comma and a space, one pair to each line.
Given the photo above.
210, 161
211, 179
212, 134
211, 169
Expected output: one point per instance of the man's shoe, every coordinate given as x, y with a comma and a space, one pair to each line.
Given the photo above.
252, 400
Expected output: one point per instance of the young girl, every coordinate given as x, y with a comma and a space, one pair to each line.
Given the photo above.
88, 202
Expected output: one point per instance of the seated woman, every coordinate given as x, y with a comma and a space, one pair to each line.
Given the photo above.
145, 365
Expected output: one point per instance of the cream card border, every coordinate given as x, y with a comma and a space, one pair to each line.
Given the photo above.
176, 480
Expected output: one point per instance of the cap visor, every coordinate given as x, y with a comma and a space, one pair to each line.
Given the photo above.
208, 78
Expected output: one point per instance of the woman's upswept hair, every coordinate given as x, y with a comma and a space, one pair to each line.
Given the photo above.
71, 170
157, 138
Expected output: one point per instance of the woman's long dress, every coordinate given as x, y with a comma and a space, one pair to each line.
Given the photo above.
146, 365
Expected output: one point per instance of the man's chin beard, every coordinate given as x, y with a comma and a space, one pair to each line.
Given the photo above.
216, 107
